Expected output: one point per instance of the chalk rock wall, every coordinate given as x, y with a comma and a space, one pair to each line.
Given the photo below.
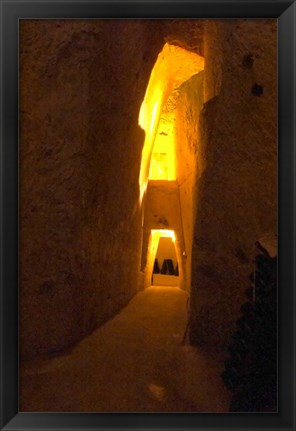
188, 107
81, 87
236, 193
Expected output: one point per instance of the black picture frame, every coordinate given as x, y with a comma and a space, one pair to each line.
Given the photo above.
11, 11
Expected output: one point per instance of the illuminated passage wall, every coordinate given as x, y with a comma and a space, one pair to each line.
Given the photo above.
159, 166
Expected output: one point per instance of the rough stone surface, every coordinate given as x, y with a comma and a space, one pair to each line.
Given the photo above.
186, 33
82, 83
236, 193
188, 163
162, 208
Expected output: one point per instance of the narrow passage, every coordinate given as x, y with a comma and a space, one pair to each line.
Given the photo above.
136, 362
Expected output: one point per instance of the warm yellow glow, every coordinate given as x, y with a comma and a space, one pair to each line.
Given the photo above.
153, 116
174, 65
158, 233
158, 167
148, 120
163, 164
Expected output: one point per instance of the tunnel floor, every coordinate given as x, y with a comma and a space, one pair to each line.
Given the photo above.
136, 362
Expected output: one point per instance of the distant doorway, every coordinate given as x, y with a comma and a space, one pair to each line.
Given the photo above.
165, 270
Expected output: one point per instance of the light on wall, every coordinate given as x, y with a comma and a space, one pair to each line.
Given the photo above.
167, 233
173, 66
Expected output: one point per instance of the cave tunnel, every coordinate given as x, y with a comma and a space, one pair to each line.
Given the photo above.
148, 186
168, 167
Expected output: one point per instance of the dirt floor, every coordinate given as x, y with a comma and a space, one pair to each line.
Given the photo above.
136, 362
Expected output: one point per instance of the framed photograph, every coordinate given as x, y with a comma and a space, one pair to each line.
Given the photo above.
148, 215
